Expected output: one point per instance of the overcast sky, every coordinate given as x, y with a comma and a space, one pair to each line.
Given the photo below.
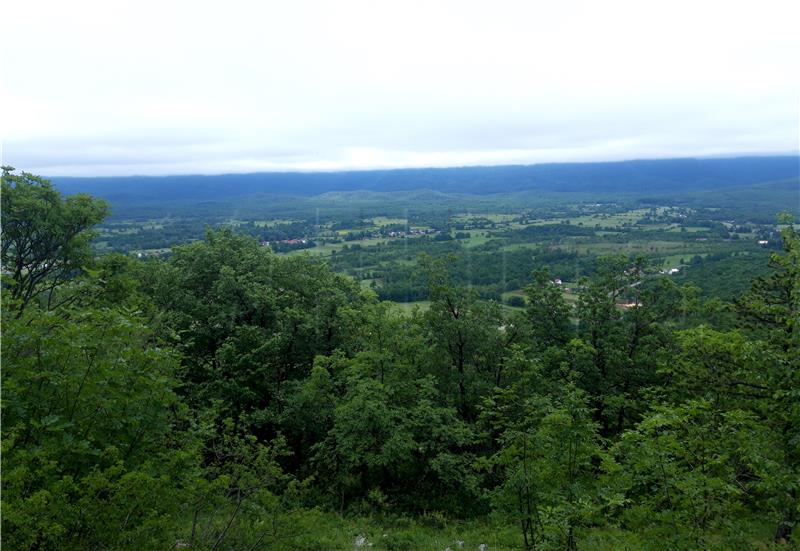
109, 87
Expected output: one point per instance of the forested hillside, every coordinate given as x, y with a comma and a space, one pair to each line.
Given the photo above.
228, 397
658, 177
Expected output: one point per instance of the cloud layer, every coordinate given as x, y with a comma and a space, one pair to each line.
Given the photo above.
102, 88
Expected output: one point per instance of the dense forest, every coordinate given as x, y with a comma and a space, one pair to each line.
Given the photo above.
664, 176
228, 397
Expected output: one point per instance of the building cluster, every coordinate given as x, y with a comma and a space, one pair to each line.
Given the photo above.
415, 231
286, 242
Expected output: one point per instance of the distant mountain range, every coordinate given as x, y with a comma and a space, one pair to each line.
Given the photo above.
657, 177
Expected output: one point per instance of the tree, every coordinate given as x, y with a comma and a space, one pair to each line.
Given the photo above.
45, 238
395, 441
547, 311
684, 472
249, 321
548, 483
622, 315
770, 311
742, 387
771, 308
90, 455
467, 331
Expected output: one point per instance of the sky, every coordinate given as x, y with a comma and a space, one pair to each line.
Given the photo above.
110, 87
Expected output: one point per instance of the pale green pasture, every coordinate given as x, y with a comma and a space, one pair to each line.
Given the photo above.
689, 229
592, 220
674, 260
386, 221
274, 222
520, 246
328, 248
475, 238
629, 247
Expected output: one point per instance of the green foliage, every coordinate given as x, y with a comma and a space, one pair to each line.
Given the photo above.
249, 322
622, 317
228, 397
682, 469
396, 444
89, 456
548, 487
45, 238
548, 311
467, 337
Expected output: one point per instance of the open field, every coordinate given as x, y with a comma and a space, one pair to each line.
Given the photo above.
632, 247
476, 237
490, 216
502, 248
386, 221
593, 220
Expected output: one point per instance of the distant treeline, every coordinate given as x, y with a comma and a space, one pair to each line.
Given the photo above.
630, 177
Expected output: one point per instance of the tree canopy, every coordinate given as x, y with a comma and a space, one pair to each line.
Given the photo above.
228, 397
